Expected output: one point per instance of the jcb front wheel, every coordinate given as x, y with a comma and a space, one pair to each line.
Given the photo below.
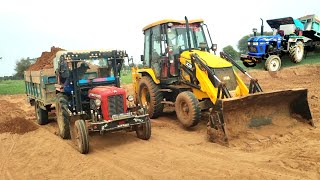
187, 109
149, 94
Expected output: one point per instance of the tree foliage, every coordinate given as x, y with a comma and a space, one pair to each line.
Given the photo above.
231, 51
22, 65
243, 42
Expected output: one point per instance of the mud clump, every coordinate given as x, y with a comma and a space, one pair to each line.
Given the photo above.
17, 125
45, 61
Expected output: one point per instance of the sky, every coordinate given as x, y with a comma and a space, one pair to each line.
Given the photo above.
27, 28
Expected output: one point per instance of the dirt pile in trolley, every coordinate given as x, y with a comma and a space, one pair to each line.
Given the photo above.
45, 61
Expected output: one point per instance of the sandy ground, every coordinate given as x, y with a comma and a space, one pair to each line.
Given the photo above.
30, 151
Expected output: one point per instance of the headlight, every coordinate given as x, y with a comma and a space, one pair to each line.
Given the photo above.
130, 98
248, 43
255, 43
97, 102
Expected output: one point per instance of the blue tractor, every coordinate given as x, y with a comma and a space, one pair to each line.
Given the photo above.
287, 38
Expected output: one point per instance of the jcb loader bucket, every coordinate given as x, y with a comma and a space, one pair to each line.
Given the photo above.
258, 116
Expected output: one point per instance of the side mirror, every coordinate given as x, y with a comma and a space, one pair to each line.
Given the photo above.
142, 57
214, 47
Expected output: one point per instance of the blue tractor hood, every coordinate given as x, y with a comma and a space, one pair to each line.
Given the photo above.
264, 38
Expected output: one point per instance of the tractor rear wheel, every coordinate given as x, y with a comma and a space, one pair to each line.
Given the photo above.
143, 131
296, 52
81, 133
63, 116
273, 63
149, 94
187, 109
42, 115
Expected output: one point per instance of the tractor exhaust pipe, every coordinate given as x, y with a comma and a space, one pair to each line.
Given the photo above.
188, 32
261, 27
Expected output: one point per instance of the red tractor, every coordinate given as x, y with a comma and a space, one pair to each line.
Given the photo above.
89, 97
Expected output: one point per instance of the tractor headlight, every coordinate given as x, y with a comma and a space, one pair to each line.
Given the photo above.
97, 102
255, 43
130, 98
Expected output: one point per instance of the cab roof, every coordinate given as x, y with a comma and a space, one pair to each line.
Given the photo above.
164, 21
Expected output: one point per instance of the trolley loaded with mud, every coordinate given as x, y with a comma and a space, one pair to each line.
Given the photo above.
85, 88
179, 70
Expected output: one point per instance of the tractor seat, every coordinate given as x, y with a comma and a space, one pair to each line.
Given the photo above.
281, 32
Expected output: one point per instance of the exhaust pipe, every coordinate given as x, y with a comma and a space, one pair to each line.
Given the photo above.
261, 27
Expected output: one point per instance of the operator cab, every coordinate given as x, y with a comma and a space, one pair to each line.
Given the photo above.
165, 40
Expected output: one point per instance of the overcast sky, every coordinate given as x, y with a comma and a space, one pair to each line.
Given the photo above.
29, 27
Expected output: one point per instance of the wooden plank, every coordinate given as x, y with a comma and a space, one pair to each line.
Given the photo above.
36, 79
48, 72
35, 73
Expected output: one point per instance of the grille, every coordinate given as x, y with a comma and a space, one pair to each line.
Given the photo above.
252, 48
115, 105
227, 76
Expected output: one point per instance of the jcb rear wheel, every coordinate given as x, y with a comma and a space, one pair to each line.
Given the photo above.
143, 131
296, 52
81, 133
149, 94
63, 116
273, 63
187, 109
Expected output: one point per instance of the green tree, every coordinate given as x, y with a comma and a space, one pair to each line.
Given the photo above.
22, 65
243, 42
231, 51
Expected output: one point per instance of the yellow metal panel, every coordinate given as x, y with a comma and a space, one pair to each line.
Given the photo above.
208, 58
199, 94
243, 90
172, 21
151, 73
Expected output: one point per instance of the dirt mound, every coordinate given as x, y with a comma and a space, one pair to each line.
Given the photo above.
45, 61
17, 125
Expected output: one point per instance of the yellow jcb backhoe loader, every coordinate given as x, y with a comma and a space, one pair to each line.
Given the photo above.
178, 69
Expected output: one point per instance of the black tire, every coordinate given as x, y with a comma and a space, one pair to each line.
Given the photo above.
246, 64
63, 116
296, 52
82, 139
143, 131
149, 93
42, 115
187, 109
273, 63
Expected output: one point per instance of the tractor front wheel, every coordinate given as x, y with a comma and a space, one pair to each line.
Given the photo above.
149, 94
63, 116
81, 133
273, 63
296, 52
187, 109
143, 131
